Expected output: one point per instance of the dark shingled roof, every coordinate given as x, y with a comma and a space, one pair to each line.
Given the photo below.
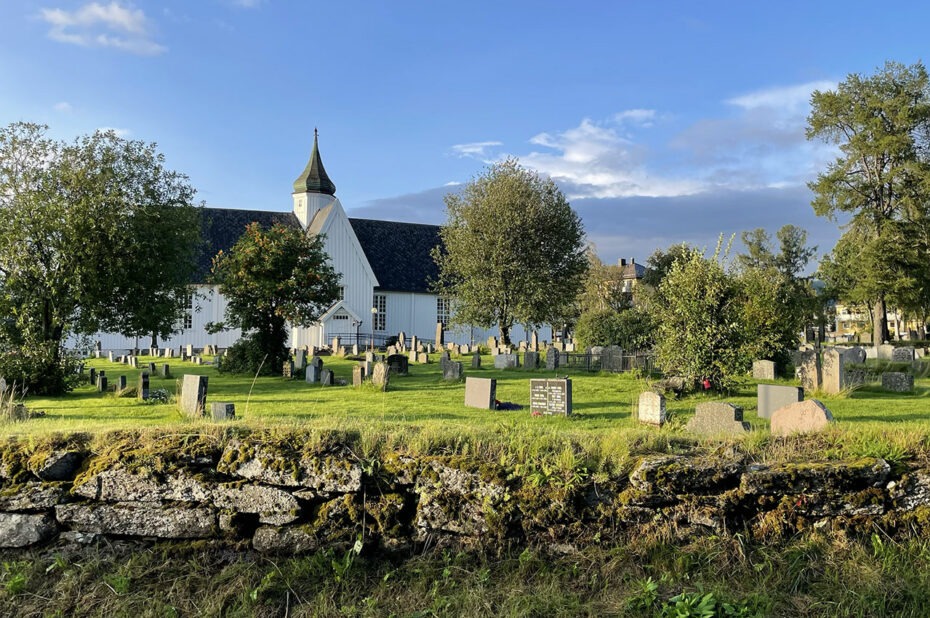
222, 227
314, 179
399, 253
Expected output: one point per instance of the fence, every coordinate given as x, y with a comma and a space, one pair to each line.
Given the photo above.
614, 363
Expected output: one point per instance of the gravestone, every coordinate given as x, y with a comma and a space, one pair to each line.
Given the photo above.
452, 370
223, 411
414, 356
506, 361
492, 342
401, 339
763, 370
380, 374
120, 383
570, 347
715, 417
300, 360
110, 355
898, 382
652, 408
151, 368
93, 376
169, 352
165, 371
354, 349
770, 397
358, 375
134, 362
480, 393
885, 351
287, 369
521, 346
856, 355
439, 334
800, 417
101, 382
313, 372
397, 364
833, 374
335, 345
444, 358
413, 342
476, 361
341, 351
551, 396
143, 388
153, 351
464, 349
194, 395
531, 361
902, 355
189, 350
327, 378
855, 377
552, 359
808, 370
612, 358
534, 341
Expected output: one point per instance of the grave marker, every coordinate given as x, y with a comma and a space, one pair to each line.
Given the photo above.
194, 394
652, 408
770, 397
763, 370
552, 359
801, 417
716, 417
476, 361
902, 355
833, 374
898, 382
531, 361
551, 396
398, 365
506, 361
327, 378
380, 374
143, 388
165, 371
358, 375
222, 411
808, 369
480, 393
300, 360
452, 370
120, 383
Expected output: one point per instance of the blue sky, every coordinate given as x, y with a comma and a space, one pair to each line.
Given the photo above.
662, 121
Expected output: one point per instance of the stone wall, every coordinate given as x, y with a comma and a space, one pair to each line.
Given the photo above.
281, 496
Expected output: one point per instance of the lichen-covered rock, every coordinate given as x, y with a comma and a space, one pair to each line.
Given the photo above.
287, 539
670, 474
911, 491
460, 502
814, 477
32, 497
59, 465
273, 505
22, 530
145, 519
118, 484
255, 462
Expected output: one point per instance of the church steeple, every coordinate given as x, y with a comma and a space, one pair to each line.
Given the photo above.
314, 178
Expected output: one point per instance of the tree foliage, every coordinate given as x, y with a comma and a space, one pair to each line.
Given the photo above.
881, 125
83, 246
631, 328
271, 278
603, 286
513, 251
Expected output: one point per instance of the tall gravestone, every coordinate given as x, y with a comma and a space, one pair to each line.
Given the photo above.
165, 371
194, 394
120, 383
551, 396
808, 369
143, 388
439, 334
327, 378
480, 393
380, 375
93, 376
770, 397
101, 382
834, 375
652, 408
476, 361
552, 359
358, 375
287, 369
300, 360
534, 341
531, 360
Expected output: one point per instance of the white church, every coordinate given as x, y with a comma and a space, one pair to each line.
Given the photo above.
386, 269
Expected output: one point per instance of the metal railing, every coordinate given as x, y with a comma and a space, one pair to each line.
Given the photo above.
613, 363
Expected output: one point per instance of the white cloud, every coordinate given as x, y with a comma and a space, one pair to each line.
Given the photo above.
64, 107
119, 132
103, 25
452, 183
474, 150
786, 98
641, 117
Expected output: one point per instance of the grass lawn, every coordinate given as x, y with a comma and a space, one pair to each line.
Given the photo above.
423, 411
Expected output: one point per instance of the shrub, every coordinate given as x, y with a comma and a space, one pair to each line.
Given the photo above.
249, 355
631, 329
38, 370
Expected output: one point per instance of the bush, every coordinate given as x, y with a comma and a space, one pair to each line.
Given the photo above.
39, 370
631, 329
248, 355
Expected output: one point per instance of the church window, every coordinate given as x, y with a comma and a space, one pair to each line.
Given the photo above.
380, 313
342, 293
189, 315
443, 310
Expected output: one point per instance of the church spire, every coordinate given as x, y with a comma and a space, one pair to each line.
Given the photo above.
314, 178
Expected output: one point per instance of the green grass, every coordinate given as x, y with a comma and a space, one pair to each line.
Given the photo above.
422, 411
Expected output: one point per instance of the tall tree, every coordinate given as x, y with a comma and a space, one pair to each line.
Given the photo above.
271, 278
79, 218
513, 251
881, 124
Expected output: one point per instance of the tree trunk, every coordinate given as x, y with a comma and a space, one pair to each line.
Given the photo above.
154, 343
879, 322
505, 334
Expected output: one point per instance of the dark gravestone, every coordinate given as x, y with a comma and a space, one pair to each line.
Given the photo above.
480, 393
716, 417
444, 358
770, 397
552, 359
327, 378
476, 361
194, 395
120, 383
300, 360
398, 364
452, 370
165, 371
222, 411
897, 382
552, 396
531, 361
151, 368
93, 376
101, 383
143, 385
902, 355
287, 370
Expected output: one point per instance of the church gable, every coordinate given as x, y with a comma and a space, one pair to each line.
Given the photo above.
399, 253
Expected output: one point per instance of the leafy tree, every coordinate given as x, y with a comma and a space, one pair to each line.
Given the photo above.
271, 278
80, 221
881, 124
603, 285
631, 328
513, 251
660, 263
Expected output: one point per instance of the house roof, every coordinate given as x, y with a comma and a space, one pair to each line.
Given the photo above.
222, 227
314, 179
399, 253
633, 271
